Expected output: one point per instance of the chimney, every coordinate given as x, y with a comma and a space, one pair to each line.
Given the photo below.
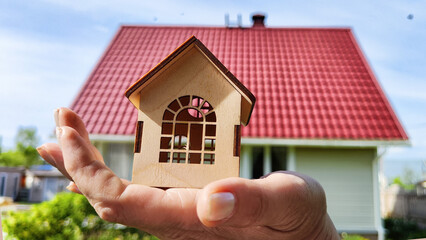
258, 20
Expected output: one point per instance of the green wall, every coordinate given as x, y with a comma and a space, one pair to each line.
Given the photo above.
347, 177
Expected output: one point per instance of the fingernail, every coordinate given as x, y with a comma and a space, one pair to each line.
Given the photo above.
221, 205
46, 155
59, 133
73, 188
56, 116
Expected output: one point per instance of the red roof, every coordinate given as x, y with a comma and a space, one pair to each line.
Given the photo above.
310, 83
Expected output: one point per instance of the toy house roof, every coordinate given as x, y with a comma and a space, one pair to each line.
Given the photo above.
248, 98
309, 83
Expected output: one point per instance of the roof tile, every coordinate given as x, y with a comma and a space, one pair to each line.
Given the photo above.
310, 83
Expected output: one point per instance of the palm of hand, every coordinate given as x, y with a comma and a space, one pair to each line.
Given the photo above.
280, 206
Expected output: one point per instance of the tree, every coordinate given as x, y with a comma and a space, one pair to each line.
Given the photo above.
25, 153
407, 180
27, 137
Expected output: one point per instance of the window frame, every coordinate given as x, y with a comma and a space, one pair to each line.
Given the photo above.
180, 118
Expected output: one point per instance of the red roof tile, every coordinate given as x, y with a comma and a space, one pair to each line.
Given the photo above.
309, 83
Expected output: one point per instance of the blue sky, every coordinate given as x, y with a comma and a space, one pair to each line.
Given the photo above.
49, 47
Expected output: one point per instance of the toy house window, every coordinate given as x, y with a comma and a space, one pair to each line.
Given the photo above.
138, 138
188, 132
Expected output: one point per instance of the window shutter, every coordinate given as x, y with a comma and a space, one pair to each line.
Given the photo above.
138, 139
237, 140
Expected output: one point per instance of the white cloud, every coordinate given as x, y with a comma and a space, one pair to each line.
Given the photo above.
37, 76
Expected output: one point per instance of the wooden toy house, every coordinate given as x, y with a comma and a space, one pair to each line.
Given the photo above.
190, 108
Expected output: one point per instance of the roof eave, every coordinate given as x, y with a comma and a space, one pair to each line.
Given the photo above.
112, 138
379, 88
324, 142
279, 141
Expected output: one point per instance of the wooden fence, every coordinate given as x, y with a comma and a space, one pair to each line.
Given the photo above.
398, 203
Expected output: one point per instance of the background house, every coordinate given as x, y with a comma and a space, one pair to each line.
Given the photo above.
40, 183
320, 109
11, 181
43, 183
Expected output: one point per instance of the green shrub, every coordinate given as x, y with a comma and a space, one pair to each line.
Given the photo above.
67, 216
400, 229
345, 236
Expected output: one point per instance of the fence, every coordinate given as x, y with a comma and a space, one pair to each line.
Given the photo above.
398, 203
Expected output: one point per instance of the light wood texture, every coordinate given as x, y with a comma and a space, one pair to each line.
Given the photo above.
189, 73
247, 98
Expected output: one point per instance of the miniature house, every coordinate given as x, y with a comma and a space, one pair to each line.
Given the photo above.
190, 109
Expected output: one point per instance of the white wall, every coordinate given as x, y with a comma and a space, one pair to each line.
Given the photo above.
347, 178
118, 156
45, 188
9, 184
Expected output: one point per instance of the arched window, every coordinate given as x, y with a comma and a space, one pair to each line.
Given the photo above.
188, 132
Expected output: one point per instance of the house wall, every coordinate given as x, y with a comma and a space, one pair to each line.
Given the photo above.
10, 184
36, 190
118, 156
45, 188
347, 178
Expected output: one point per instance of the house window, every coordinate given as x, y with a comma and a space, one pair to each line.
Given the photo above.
2, 184
188, 132
15, 186
278, 160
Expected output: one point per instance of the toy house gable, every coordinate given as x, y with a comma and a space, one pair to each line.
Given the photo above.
190, 108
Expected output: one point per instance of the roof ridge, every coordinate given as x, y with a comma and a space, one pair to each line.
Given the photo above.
320, 28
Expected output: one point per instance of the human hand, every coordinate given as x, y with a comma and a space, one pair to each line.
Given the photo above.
283, 205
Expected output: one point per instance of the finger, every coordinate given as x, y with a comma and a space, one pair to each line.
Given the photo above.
279, 201
117, 201
151, 209
66, 117
166, 214
52, 153
96, 181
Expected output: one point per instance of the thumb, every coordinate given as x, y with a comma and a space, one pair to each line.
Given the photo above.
281, 200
